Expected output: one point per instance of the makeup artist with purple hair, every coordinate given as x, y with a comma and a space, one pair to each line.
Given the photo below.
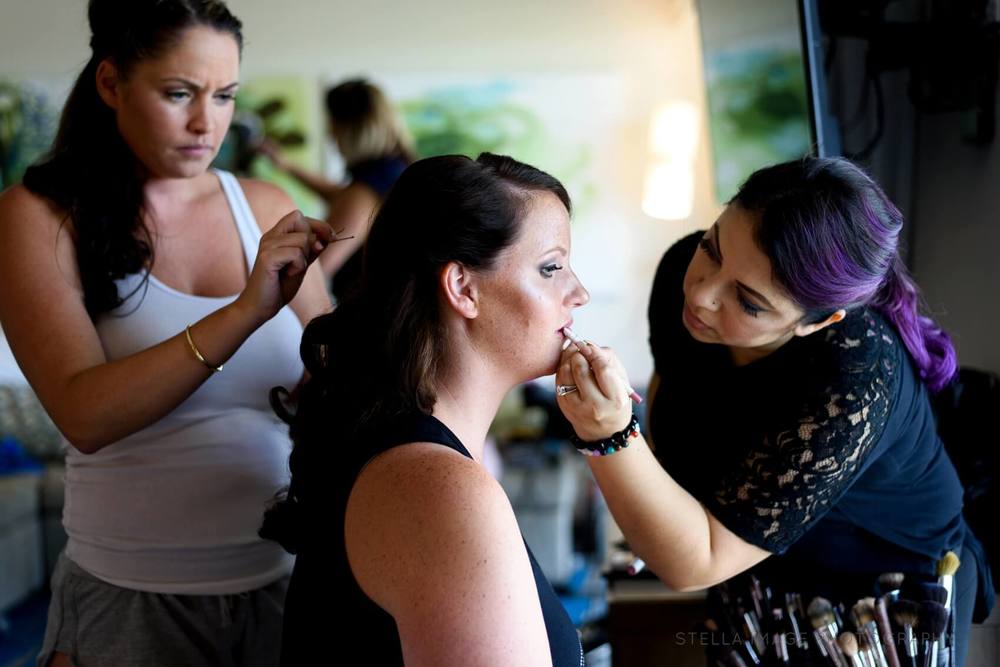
790, 404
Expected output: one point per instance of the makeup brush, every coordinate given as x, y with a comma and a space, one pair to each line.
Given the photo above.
838, 615
933, 592
792, 605
905, 613
885, 633
946, 569
752, 626
579, 342
867, 651
933, 621
757, 594
889, 584
821, 608
848, 644
753, 643
779, 638
750, 652
864, 618
825, 629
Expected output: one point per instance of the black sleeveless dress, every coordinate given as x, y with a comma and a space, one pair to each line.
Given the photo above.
328, 616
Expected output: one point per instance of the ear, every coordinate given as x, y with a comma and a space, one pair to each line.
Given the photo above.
806, 329
108, 83
460, 290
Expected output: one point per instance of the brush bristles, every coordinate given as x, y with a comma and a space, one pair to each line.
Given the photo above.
890, 581
934, 592
848, 643
822, 619
933, 618
819, 606
864, 612
948, 565
905, 612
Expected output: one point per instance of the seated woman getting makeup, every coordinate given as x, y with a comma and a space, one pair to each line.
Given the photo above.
790, 405
408, 550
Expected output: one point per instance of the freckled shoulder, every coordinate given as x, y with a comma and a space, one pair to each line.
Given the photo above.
432, 539
456, 504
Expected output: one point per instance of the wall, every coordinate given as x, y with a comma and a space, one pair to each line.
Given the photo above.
956, 250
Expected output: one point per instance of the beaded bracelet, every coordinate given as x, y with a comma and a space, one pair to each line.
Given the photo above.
613, 443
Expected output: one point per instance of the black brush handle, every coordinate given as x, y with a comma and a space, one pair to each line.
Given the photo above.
950, 660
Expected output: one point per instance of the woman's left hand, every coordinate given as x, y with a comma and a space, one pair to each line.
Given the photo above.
601, 405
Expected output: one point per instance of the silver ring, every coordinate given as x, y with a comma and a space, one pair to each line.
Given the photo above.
563, 389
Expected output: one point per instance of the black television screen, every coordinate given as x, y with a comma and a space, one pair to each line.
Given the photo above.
765, 84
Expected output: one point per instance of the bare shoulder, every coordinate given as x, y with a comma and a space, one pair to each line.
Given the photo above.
268, 202
35, 231
450, 494
446, 560
431, 505
20, 203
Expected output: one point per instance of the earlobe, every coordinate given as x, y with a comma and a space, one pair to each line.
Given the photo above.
460, 289
806, 329
107, 83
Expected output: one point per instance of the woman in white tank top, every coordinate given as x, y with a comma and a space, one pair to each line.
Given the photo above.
141, 274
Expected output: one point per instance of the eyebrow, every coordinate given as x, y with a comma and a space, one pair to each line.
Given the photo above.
195, 86
557, 248
743, 286
756, 294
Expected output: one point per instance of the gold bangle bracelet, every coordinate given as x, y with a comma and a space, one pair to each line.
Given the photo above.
197, 353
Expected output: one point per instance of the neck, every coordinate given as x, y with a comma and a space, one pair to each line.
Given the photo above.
167, 193
468, 397
743, 356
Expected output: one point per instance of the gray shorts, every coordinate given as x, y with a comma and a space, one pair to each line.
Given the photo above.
98, 624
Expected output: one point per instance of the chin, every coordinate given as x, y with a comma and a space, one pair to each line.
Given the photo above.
544, 369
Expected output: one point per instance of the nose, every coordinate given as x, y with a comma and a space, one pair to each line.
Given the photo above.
578, 296
705, 293
201, 121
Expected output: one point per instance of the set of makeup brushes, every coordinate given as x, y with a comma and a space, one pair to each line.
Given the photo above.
908, 623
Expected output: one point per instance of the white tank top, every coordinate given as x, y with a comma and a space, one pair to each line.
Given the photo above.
175, 507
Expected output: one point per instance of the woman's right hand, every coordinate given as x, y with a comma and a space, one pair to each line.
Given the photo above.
285, 253
601, 405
